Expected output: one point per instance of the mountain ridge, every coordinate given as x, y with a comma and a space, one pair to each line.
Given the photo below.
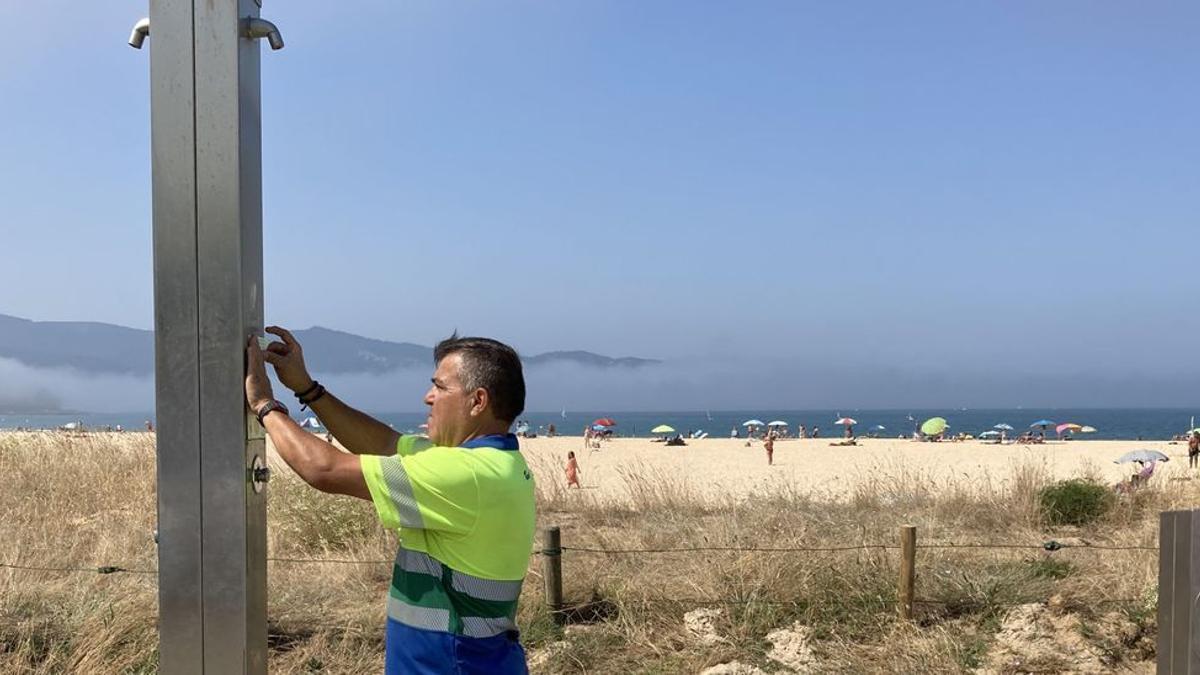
103, 348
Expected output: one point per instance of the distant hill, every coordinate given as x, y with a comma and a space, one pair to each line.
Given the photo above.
103, 348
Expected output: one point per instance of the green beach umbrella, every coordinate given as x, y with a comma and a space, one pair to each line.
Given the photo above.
662, 429
933, 426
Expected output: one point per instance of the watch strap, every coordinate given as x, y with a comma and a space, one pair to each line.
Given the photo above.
267, 407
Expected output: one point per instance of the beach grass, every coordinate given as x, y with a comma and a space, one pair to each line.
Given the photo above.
86, 501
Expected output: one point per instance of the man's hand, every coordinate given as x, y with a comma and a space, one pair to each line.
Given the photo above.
288, 359
258, 387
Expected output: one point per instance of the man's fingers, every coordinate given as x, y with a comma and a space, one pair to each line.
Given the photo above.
283, 334
273, 358
278, 348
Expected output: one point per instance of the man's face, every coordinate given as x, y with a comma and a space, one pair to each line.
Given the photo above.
450, 420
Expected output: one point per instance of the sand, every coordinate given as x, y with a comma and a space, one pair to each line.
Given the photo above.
726, 467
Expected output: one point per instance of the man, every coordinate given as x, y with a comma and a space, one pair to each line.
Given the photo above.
461, 500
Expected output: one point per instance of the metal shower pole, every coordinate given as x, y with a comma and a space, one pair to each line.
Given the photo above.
207, 190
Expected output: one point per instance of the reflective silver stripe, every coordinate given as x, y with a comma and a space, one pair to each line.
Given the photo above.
427, 618
417, 562
480, 627
485, 589
400, 490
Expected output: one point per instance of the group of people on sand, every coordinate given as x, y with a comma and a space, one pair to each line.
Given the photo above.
776, 432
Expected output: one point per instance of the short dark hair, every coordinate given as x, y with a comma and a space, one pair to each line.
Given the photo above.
492, 365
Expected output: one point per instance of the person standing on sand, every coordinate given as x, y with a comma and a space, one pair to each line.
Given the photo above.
769, 444
816, 432
802, 433
1193, 449
462, 500
572, 471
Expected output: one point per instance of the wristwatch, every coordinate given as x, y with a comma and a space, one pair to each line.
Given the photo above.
268, 407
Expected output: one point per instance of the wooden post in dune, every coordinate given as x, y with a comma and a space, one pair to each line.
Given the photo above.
1178, 586
552, 571
908, 569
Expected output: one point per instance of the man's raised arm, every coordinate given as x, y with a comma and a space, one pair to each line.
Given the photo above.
360, 433
357, 431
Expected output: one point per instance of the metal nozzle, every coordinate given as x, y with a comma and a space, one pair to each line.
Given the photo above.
260, 28
140, 30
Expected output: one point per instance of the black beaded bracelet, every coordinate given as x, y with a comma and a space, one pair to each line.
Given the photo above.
305, 403
300, 395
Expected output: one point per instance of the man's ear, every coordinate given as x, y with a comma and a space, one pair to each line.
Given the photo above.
479, 401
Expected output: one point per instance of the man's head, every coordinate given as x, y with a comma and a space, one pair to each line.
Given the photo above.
478, 388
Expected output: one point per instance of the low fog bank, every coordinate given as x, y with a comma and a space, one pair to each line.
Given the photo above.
678, 385
26, 389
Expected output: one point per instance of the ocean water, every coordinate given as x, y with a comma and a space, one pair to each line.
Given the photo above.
1111, 423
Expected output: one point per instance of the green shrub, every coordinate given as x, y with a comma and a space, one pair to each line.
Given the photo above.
1074, 502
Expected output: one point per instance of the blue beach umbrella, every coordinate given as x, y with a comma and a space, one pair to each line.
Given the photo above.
1042, 423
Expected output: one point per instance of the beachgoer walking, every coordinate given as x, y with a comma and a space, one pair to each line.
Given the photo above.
572, 470
816, 432
769, 444
587, 437
1193, 449
802, 433
461, 500
733, 432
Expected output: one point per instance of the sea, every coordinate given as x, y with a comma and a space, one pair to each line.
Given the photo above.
1110, 423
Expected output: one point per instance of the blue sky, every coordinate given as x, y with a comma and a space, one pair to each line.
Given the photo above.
973, 186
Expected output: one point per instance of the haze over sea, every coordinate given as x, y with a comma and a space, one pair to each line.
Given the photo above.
1111, 423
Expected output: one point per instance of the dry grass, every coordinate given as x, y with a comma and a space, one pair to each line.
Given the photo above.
83, 501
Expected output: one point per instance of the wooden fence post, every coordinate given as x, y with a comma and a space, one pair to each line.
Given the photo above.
908, 567
552, 571
1178, 585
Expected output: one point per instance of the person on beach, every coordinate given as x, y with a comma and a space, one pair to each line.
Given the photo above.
802, 433
1193, 449
816, 432
461, 499
769, 444
572, 471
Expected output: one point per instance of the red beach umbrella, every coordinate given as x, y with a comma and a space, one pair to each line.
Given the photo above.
605, 422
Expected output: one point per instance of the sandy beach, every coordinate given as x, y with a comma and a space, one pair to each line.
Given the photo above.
723, 467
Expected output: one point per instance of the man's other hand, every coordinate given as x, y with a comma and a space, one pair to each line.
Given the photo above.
288, 359
258, 387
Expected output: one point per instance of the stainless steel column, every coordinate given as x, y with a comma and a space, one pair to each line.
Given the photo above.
206, 148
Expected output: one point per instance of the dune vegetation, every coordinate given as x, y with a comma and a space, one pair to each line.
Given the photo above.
77, 502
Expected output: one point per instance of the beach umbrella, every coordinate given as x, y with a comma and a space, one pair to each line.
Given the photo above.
1088, 430
1067, 426
1141, 456
934, 426
1042, 423
777, 423
604, 422
752, 423
599, 427
846, 421
1003, 427
989, 434
662, 429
